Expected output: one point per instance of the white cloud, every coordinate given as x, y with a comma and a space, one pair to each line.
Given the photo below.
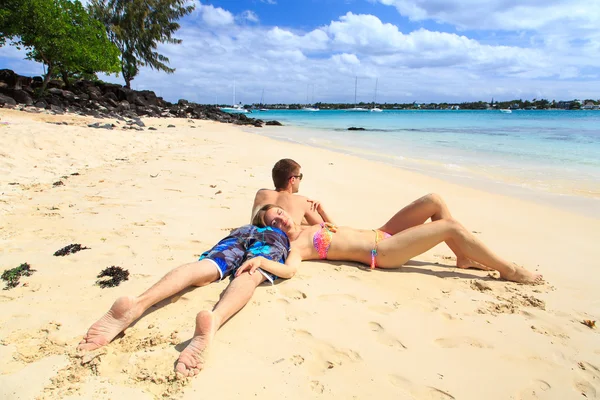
345, 59
421, 65
502, 14
214, 16
249, 15
269, 1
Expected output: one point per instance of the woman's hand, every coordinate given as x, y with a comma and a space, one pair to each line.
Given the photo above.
251, 266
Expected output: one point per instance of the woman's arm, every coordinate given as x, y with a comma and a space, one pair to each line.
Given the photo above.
284, 271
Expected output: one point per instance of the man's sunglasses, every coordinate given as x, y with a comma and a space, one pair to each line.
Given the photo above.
297, 176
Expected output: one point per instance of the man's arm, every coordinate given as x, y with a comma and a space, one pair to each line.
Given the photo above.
315, 213
284, 271
258, 202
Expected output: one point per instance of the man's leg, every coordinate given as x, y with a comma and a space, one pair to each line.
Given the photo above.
128, 308
235, 297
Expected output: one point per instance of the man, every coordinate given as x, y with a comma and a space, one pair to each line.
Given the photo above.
287, 176
248, 245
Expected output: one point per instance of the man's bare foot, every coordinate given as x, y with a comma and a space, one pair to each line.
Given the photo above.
192, 358
465, 263
122, 313
521, 275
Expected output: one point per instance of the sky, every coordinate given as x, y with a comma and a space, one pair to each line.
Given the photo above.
307, 51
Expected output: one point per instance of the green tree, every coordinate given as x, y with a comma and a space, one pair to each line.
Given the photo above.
59, 34
137, 27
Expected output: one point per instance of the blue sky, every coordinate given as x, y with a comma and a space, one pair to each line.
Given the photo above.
419, 50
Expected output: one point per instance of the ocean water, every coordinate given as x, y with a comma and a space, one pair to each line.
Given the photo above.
548, 154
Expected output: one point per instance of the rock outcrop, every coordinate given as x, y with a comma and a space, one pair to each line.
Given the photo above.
104, 100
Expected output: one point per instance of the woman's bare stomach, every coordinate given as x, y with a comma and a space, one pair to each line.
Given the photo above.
350, 244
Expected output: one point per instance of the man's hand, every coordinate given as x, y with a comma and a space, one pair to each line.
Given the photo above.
251, 266
315, 205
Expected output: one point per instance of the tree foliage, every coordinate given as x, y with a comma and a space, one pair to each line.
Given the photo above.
136, 27
60, 34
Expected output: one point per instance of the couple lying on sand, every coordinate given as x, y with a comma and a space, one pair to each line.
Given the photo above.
277, 242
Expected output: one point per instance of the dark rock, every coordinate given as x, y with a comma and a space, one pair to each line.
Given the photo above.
276, 123
152, 129
124, 105
171, 126
69, 95
353, 128
110, 96
9, 77
137, 122
55, 83
104, 126
5, 100
22, 97
106, 100
56, 109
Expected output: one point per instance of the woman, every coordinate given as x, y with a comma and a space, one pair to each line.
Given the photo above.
403, 237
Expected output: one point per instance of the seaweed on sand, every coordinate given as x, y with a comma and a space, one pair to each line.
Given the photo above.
117, 275
12, 276
70, 249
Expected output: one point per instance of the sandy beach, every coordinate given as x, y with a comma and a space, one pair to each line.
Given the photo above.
148, 201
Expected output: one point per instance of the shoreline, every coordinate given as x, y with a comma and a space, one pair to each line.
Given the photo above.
148, 201
571, 200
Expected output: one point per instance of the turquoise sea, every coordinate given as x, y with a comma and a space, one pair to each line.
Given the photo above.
550, 155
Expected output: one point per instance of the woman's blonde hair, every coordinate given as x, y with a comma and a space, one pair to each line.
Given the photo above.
259, 217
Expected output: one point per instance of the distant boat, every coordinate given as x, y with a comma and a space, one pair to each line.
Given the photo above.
356, 109
262, 99
375, 109
235, 108
308, 107
506, 110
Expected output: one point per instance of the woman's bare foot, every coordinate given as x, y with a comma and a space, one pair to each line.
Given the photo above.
122, 313
192, 358
465, 263
521, 275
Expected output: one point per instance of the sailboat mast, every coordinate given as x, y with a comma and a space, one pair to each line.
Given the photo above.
234, 93
355, 83
375, 96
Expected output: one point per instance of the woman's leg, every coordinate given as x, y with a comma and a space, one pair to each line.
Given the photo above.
397, 250
416, 213
127, 309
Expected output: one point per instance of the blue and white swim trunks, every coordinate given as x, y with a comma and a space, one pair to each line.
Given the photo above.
246, 243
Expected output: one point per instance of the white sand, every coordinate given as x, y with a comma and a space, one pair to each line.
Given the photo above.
333, 331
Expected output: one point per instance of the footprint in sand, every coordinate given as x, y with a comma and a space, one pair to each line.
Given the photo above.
591, 374
150, 223
537, 389
317, 387
420, 392
341, 298
297, 360
293, 294
385, 337
461, 341
585, 388
323, 355
382, 309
